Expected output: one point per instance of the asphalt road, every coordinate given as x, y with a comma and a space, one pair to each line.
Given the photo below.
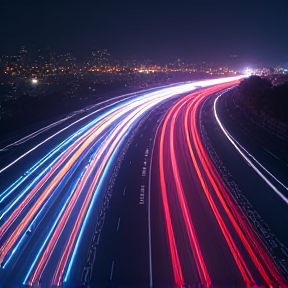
54, 184
263, 197
208, 233
123, 257
82, 201
266, 202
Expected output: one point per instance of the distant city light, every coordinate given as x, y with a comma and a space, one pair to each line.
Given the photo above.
248, 71
34, 81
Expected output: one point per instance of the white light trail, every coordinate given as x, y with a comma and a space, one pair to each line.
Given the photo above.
240, 149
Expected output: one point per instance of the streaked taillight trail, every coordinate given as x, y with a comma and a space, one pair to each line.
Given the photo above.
232, 222
83, 160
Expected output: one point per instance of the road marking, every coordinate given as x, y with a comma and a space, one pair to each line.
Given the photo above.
149, 204
274, 155
118, 224
124, 191
248, 156
65, 128
142, 194
112, 268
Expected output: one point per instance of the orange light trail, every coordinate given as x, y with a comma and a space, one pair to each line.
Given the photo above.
37, 192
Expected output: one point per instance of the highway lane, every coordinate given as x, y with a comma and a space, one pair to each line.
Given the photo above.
83, 148
56, 131
260, 152
257, 195
48, 209
209, 236
126, 226
38, 128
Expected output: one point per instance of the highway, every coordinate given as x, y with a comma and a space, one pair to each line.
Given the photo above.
263, 162
124, 194
209, 235
47, 208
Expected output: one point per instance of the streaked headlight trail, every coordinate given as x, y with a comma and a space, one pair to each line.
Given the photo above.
53, 200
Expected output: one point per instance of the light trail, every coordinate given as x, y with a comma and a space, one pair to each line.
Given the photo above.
265, 265
232, 245
243, 152
34, 134
117, 135
177, 270
29, 198
232, 221
202, 270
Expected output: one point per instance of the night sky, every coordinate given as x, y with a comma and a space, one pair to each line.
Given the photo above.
212, 30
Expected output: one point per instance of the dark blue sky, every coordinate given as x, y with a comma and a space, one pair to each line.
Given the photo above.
255, 30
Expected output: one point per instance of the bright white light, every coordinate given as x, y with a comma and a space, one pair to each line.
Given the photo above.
248, 71
34, 81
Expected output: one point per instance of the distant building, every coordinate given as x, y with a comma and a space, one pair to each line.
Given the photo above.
23, 55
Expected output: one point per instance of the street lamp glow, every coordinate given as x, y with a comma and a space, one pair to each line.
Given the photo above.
34, 81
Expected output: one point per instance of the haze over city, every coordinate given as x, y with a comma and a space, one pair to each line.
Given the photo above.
206, 30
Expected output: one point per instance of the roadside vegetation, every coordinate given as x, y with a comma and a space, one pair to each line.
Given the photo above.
268, 101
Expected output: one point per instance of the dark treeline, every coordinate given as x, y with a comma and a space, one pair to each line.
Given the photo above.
259, 95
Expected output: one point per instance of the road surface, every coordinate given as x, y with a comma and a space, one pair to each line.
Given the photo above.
209, 235
83, 203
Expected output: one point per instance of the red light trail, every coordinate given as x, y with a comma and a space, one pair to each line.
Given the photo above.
180, 133
54, 198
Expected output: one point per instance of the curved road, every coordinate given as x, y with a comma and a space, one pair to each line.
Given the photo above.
210, 238
57, 187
